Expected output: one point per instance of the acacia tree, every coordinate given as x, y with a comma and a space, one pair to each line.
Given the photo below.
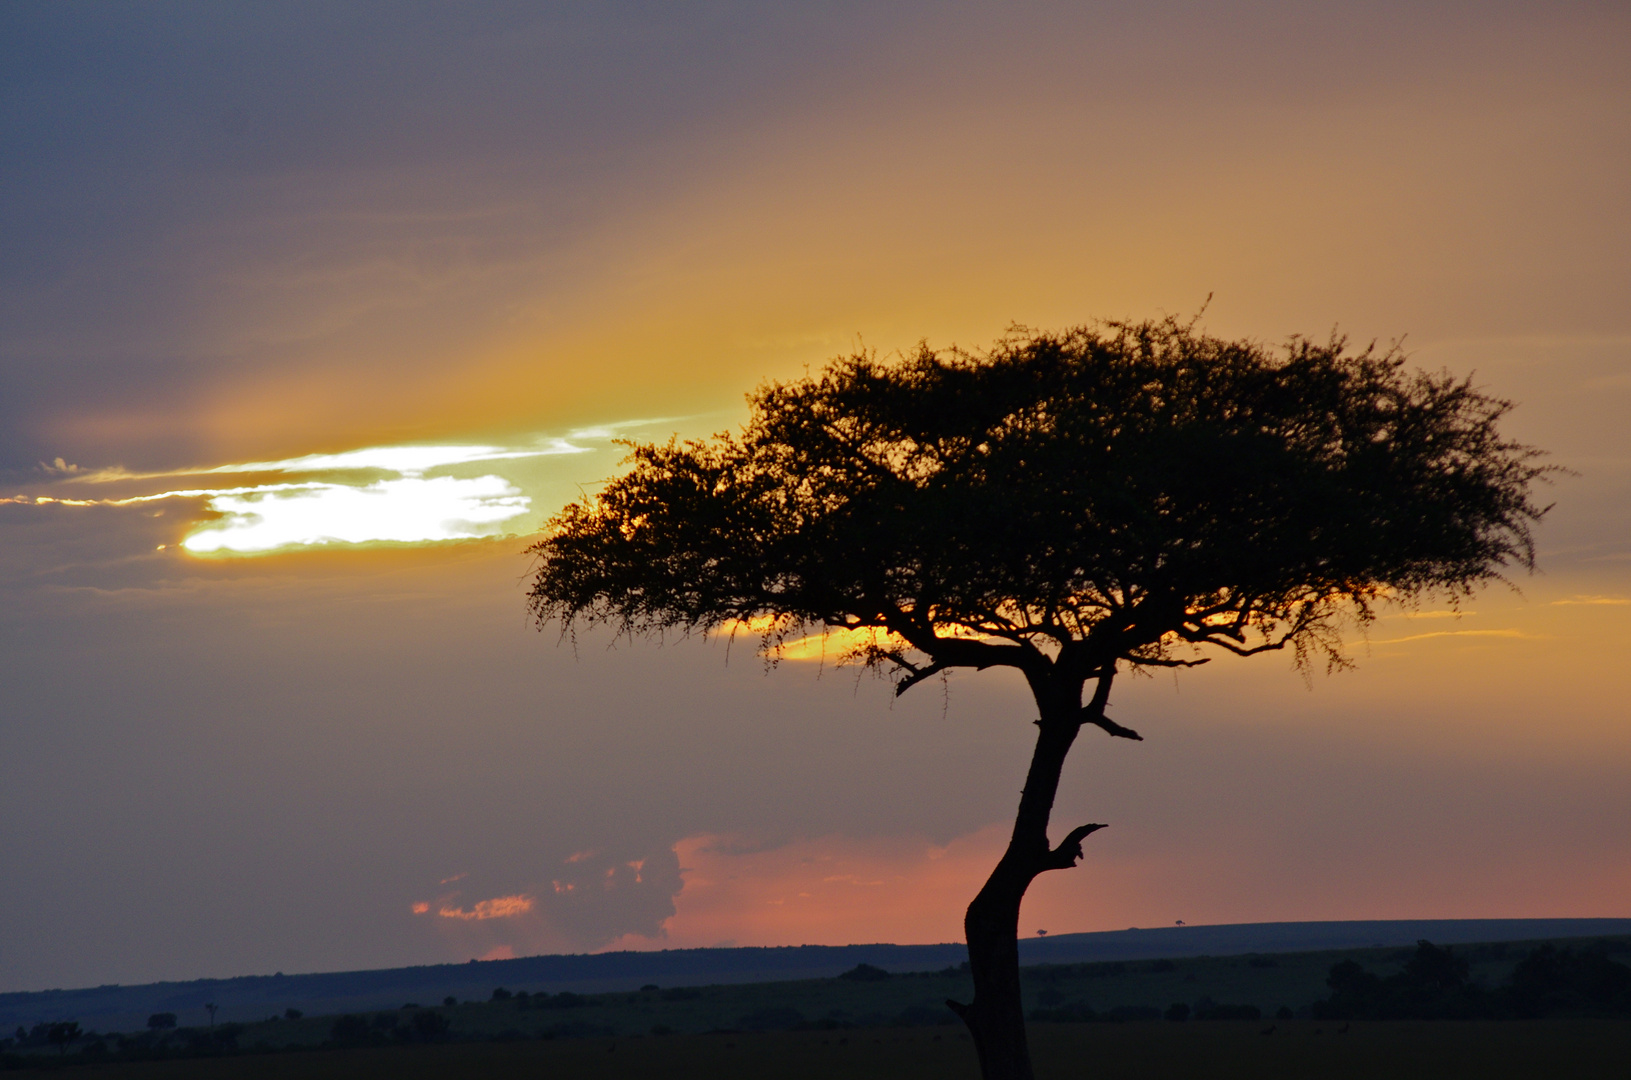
1073, 505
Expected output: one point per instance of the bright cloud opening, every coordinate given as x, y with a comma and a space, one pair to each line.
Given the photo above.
381, 494
407, 510
399, 459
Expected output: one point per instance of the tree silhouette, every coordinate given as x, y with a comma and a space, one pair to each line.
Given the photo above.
1117, 497
63, 1034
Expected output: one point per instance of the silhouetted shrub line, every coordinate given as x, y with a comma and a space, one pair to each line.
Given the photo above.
1573, 981
1077, 1012
865, 973
422, 1026
1434, 985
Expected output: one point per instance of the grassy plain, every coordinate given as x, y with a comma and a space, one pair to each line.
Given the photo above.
1291, 980
1294, 1050
895, 1026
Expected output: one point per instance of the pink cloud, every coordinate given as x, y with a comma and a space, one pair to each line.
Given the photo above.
828, 891
499, 907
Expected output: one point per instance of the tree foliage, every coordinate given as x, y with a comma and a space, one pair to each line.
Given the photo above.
1118, 493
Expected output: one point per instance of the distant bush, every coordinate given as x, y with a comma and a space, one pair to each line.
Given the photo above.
1433, 985
779, 1018
1550, 981
424, 1026
501, 994
288, 1014
1074, 1012
62, 1033
222, 1039
160, 1021
566, 999
1134, 1012
925, 1016
575, 1029
1213, 1010
865, 973
350, 1029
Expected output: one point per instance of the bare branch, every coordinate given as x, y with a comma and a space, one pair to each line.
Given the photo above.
918, 674
1167, 662
1069, 850
1093, 711
1239, 650
1112, 727
964, 652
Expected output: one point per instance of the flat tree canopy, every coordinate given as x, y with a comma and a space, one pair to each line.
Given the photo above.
1073, 504
1104, 494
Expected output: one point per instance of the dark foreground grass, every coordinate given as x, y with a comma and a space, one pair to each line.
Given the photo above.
1292, 1050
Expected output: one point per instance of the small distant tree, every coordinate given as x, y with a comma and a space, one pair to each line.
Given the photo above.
292, 1014
63, 1034
350, 1029
161, 1021
865, 973
210, 1007
427, 1026
1435, 968
1073, 506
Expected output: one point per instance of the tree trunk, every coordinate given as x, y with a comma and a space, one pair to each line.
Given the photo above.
996, 1018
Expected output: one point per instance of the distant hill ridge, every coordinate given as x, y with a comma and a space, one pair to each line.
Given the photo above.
254, 997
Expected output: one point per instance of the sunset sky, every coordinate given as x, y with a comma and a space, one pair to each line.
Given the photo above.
312, 313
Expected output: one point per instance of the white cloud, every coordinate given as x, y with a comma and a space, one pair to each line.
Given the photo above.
407, 510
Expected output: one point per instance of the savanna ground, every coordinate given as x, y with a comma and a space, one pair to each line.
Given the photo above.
872, 1024
1294, 1050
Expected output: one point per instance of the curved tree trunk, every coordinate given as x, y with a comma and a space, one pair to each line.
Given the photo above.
996, 1018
